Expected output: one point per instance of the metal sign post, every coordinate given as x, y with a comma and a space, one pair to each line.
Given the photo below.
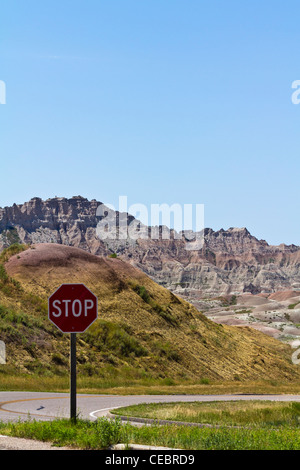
73, 405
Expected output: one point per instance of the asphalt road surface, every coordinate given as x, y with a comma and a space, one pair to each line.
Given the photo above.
16, 406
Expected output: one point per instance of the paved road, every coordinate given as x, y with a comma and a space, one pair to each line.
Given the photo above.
16, 406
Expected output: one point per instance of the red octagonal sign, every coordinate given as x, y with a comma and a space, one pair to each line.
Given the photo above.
72, 308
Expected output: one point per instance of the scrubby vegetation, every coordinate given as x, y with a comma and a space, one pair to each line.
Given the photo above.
164, 312
110, 338
12, 250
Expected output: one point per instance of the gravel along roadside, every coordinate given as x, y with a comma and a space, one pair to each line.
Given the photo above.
16, 443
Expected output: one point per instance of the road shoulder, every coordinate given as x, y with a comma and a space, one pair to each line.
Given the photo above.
17, 443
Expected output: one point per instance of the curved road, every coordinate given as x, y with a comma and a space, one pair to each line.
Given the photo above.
16, 406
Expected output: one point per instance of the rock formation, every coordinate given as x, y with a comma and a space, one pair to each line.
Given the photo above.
229, 262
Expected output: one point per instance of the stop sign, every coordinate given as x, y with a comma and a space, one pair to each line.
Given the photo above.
72, 308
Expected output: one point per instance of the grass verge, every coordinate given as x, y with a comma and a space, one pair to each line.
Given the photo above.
250, 413
103, 433
130, 381
190, 438
84, 434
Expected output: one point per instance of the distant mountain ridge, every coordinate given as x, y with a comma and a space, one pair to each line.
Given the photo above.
230, 261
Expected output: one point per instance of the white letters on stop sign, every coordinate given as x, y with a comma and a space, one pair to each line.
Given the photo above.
75, 307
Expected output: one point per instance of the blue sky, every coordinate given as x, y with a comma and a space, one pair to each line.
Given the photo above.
164, 101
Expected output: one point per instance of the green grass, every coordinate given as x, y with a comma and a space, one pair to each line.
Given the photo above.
254, 413
194, 438
84, 434
292, 306
110, 337
103, 433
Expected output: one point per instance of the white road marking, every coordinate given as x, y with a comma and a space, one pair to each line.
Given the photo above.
103, 409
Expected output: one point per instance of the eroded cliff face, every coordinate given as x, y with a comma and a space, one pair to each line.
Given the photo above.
229, 262
59, 220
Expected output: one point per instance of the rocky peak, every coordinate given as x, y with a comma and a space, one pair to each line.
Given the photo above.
229, 260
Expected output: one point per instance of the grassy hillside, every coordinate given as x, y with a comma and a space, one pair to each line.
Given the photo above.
143, 332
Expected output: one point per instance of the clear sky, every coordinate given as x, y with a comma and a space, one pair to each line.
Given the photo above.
164, 101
